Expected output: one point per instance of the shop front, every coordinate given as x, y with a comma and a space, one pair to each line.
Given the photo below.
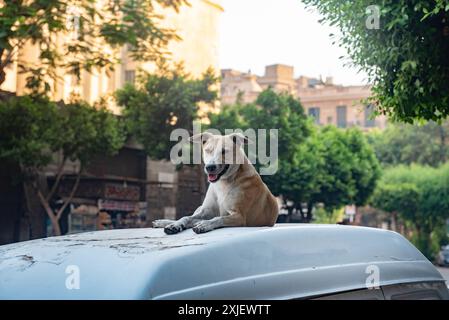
100, 205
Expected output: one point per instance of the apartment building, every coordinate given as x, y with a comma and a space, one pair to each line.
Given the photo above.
325, 101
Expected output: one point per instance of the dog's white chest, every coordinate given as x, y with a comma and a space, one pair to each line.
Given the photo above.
223, 195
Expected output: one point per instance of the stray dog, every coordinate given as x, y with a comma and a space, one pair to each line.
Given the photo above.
236, 197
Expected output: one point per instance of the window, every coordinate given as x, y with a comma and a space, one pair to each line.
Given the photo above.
369, 121
363, 294
416, 291
341, 117
130, 76
315, 113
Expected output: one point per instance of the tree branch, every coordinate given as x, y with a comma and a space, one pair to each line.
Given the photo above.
58, 179
72, 194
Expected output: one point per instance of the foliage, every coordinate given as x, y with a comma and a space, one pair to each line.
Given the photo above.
407, 144
365, 169
405, 58
345, 169
162, 102
33, 130
280, 111
72, 35
88, 131
302, 179
29, 131
336, 185
420, 195
401, 198
322, 216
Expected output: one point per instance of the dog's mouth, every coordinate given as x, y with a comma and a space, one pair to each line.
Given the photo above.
214, 177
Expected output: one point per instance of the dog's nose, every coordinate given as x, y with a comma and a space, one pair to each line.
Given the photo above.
211, 167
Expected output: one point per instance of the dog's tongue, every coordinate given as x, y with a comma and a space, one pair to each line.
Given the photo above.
212, 177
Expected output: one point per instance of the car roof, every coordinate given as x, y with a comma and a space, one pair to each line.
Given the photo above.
281, 262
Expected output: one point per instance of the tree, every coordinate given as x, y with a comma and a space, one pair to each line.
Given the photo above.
161, 103
365, 169
303, 177
398, 199
407, 144
333, 168
33, 130
280, 111
420, 195
87, 27
405, 57
229, 117
336, 186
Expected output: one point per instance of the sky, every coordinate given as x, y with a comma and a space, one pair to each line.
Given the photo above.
256, 33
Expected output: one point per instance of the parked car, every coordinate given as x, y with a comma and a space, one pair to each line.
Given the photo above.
282, 262
443, 256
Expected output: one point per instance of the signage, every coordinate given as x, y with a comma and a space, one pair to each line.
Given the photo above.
122, 192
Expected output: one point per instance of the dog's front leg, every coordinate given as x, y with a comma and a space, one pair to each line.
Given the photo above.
162, 223
189, 221
235, 219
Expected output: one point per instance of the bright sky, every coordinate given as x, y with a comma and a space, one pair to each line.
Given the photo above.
256, 33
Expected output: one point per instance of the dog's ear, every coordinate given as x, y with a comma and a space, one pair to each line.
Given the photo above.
239, 139
200, 137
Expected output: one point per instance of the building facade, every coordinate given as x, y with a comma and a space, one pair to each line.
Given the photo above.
326, 102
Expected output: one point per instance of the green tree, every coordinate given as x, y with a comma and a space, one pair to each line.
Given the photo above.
161, 103
407, 144
397, 199
280, 111
421, 197
333, 168
33, 130
88, 27
229, 117
302, 178
365, 168
405, 58
336, 186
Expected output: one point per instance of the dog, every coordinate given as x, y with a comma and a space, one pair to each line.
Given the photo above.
236, 197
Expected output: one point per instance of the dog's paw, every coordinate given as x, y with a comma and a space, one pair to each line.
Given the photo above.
173, 228
162, 223
202, 227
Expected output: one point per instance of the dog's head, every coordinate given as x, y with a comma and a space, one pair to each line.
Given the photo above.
222, 155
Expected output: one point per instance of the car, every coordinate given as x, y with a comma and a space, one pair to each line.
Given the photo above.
302, 261
443, 256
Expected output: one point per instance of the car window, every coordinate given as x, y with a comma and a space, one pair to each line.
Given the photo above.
416, 291
365, 294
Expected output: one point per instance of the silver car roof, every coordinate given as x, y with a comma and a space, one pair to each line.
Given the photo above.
282, 262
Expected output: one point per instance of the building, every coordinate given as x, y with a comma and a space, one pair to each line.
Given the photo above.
129, 189
326, 102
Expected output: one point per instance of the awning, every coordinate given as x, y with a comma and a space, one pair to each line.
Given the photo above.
118, 205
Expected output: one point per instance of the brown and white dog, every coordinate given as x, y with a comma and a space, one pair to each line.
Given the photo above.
236, 197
